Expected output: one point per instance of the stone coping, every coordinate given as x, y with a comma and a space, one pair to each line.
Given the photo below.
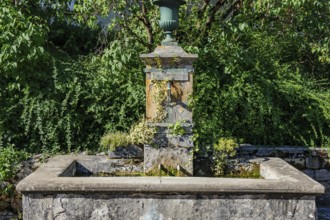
281, 147
169, 52
279, 177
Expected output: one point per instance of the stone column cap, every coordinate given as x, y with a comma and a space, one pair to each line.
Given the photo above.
169, 51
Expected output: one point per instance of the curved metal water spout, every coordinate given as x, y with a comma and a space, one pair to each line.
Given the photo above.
168, 89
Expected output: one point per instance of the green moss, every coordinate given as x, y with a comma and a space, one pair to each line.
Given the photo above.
165, 171
171, 171
243, 173
118, 174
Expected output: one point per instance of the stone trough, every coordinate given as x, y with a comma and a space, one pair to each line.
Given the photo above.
54, 192
67, 187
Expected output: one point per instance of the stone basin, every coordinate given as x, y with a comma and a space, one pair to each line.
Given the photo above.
52, 192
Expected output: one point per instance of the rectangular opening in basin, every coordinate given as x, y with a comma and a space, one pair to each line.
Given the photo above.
123, 168
103, 168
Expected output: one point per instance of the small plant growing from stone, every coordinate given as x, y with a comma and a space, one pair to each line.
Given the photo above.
113, 140
141, 133
223, 149
177, 129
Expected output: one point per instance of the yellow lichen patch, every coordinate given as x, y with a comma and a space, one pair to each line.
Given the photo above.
186, 88
176, 92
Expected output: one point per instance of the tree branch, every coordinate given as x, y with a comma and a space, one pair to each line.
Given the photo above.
232, 10
149, 46
213, 12
16, 2
144, 19
202, 10
211, 17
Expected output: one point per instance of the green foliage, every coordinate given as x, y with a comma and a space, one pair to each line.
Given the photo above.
259, 80
85, 97
58, 101
223, 149
113, 140
115, 93
81, 40
21, 46
253, 172
10, 160
141, 133
177, 129
262, 74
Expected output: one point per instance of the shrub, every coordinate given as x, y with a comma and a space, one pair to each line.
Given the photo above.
223, 149
114, 140
141, 133
10, 160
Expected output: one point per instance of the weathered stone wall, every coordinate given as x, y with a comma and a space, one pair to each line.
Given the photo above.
314, 162
154, 206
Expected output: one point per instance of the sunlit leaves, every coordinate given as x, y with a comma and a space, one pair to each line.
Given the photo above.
262, 75
21, 41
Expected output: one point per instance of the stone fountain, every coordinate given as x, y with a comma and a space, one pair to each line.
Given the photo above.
66, 188
170, 68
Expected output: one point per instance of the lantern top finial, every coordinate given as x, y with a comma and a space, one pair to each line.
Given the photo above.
169, 18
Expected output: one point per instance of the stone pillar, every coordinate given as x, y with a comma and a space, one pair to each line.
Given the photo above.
169, 85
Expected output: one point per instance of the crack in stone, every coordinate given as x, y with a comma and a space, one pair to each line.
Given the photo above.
294, 209
62, 212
